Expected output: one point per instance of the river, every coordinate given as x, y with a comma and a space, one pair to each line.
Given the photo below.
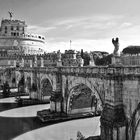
21, 124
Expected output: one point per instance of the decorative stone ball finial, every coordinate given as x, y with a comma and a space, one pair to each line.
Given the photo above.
116, 45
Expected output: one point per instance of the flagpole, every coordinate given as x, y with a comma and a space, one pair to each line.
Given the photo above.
70, 44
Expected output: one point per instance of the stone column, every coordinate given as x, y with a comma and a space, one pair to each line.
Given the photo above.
9, 62
116, 60
113, 121
59, 63
35, 61
15, 62
31, 63
42, 62
22, 62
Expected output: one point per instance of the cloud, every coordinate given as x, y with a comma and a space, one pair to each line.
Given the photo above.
89, 33
39, 29
91, 27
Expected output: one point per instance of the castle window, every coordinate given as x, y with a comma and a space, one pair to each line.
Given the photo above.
17, 34
12, 28
17, 28
5, 27
14, 34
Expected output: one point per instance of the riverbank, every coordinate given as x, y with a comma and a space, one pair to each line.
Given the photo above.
48, 116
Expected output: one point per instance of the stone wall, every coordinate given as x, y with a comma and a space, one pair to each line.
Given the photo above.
117, 86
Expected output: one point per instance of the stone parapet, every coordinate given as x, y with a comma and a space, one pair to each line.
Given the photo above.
117, 70
114, 71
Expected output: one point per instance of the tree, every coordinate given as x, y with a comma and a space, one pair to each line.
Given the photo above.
6, 89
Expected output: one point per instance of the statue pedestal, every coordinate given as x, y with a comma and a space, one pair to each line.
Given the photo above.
80, 62
116, 60
31, 63
113, 123
42, 62
92, 63
59, 63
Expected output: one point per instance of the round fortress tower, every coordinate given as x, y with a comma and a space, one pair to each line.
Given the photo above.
15, 40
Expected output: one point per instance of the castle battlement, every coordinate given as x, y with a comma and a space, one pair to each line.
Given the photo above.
9, 21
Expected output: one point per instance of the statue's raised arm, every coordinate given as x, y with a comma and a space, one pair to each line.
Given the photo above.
116, 45
10, 14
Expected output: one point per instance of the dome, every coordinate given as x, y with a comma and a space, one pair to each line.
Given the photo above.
131, 50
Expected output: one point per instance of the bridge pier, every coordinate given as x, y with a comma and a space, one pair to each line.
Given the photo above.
113, 123
56, 102
113, 119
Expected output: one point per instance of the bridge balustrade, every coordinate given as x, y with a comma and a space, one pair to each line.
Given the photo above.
71, 70
77, 70
110, 70
131, 70
81, 70
87, 70
51, 69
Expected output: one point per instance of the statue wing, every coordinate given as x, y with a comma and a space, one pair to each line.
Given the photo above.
113, 40
117, 39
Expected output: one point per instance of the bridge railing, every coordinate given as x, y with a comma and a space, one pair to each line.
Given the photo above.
102, 70
123, 70
83, 70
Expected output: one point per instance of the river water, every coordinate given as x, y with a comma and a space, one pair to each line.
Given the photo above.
21, 123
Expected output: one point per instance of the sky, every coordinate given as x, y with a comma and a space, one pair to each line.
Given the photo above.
89, 24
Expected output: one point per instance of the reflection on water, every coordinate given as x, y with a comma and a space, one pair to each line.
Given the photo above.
16, 121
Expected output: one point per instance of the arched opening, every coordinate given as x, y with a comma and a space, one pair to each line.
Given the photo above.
134, 125
13, 82
137, 127
82, 99
46, 88
21, 85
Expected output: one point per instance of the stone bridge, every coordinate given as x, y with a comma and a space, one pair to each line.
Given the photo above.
115, 90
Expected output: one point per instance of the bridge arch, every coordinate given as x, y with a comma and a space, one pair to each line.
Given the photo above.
84, 84
43, 77
46, 87
134, 125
